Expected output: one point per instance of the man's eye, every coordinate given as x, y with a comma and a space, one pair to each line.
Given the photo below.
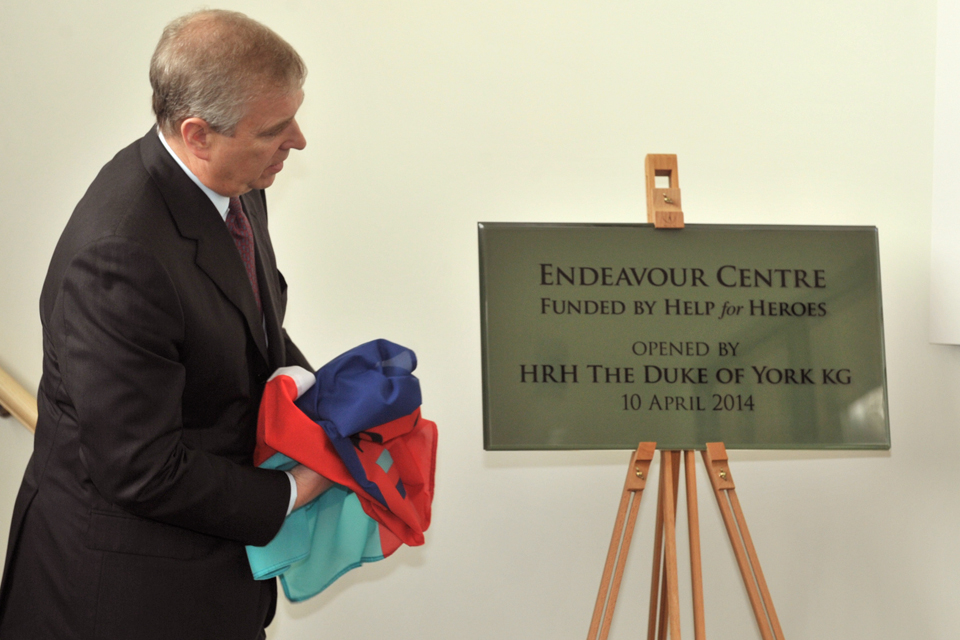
276, 131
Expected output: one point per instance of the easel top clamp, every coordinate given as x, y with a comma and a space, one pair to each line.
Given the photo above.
663, 203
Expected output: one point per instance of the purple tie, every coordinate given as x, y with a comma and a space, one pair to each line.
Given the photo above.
239, 228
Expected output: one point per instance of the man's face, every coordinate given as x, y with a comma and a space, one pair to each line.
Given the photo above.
253, 156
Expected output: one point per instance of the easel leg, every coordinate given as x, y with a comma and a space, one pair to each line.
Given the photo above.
658, 572
620, 541
672, 463
693, 518
715, 459
668, 593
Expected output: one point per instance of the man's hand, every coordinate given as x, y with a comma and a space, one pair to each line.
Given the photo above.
310, 484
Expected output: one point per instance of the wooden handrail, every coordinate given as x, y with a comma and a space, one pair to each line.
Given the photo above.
18, 401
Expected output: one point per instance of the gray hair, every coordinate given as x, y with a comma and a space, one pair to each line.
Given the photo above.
210, 64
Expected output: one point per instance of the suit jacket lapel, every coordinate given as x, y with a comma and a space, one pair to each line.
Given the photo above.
196, 218
255, 209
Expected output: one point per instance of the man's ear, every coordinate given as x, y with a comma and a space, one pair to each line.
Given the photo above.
197, 137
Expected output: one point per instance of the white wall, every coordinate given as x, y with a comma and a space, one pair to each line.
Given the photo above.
426, 117
945, 223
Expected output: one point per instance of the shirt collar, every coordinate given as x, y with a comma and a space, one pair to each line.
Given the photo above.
222, 203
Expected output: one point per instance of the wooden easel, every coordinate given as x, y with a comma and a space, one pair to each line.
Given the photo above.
664, 599
663, 210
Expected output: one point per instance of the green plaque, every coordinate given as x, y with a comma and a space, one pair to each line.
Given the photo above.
603, 336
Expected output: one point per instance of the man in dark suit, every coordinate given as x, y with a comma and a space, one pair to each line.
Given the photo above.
162, 320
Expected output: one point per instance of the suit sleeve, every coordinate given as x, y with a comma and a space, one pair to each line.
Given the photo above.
123, 328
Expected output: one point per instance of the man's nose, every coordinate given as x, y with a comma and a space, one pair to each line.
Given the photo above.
296, 139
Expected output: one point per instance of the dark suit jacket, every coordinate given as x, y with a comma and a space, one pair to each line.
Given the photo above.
140, 495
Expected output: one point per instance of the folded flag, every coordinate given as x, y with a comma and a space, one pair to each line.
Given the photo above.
360, 426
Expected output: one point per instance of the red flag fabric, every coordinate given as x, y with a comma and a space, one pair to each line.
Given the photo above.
399, 457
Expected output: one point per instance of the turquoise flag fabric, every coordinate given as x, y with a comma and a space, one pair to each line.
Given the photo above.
317, 543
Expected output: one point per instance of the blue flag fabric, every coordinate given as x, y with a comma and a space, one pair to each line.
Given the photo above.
362, 388
367, 386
